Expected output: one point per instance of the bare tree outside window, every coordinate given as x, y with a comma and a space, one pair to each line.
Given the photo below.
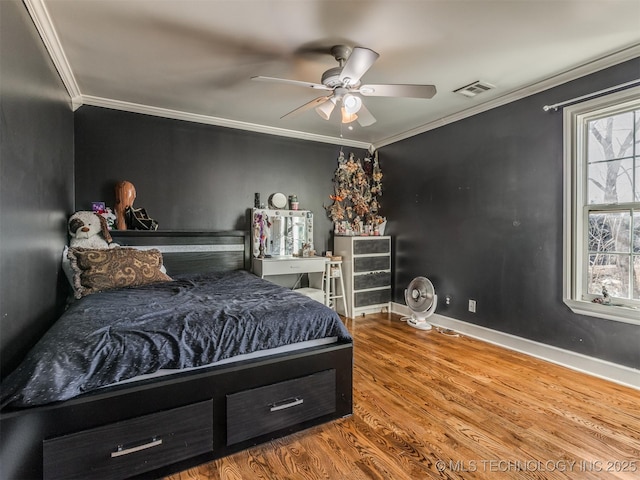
613, 189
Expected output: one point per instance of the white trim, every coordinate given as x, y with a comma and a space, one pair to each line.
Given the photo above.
42, 20
596, 367
43, 23
222, 122
581, 71
574, 222
617, 313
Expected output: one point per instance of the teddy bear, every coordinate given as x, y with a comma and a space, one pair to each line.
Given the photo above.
89, 230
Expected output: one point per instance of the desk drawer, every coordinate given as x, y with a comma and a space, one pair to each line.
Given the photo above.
289, 266
251, 413
131, 447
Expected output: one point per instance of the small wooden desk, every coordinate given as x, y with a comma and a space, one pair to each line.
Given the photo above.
314, 267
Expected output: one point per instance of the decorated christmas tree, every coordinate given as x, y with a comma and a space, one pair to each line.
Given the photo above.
357, 186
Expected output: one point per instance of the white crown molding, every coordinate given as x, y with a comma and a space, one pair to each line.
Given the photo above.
573, 74
596, 367
41, 19
221, 122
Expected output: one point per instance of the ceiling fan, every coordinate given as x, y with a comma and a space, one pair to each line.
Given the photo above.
345, 86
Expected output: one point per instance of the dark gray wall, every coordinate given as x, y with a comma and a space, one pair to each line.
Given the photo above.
476, 206
36, 189
194, 176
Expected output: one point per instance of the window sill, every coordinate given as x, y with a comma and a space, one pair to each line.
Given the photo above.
609, 312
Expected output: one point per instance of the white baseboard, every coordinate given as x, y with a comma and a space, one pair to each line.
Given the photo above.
613, 372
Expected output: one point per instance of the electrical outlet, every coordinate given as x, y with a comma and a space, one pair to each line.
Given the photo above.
472, 306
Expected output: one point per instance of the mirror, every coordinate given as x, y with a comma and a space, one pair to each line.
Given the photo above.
281, 233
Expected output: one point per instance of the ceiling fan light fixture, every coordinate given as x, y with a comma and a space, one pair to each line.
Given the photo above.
348, 117
346, 86
325, 109
351, 103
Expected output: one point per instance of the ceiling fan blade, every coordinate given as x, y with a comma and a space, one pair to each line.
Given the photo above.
364, 117
357, 65
307, 106
411, 91
299, 83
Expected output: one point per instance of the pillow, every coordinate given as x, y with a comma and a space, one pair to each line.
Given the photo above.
96, 270
66, 266
69, 273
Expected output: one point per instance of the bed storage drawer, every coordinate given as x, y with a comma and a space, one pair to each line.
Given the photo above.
254, 412
131, 447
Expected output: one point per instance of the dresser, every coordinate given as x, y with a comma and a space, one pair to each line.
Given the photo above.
367, 273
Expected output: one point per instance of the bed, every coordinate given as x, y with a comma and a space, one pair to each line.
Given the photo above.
161, 387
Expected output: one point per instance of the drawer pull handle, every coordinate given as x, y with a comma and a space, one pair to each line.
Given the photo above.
291, 402
126, 451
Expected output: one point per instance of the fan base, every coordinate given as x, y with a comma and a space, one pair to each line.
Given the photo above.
420, 324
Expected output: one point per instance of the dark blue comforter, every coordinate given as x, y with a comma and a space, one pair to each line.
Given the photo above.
192, 321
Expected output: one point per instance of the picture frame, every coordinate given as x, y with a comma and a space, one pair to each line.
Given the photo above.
98, 206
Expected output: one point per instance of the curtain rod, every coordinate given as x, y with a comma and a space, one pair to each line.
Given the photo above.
556, 106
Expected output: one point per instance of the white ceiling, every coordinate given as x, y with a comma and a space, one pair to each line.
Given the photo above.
193, 59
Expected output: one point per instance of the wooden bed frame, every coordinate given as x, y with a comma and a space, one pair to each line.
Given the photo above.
156, 427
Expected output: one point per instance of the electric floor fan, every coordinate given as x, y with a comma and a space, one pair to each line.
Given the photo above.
421, 298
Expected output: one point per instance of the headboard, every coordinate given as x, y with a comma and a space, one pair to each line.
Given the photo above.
192, 251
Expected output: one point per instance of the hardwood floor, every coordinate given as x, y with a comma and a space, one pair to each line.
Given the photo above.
431, 405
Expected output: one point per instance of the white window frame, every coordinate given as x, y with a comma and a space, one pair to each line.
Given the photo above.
575, 223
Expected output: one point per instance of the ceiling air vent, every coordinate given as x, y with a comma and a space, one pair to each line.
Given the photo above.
474, 88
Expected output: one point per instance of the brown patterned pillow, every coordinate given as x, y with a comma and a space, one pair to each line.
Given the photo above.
96, 270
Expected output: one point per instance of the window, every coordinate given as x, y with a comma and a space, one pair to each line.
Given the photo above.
602, 207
